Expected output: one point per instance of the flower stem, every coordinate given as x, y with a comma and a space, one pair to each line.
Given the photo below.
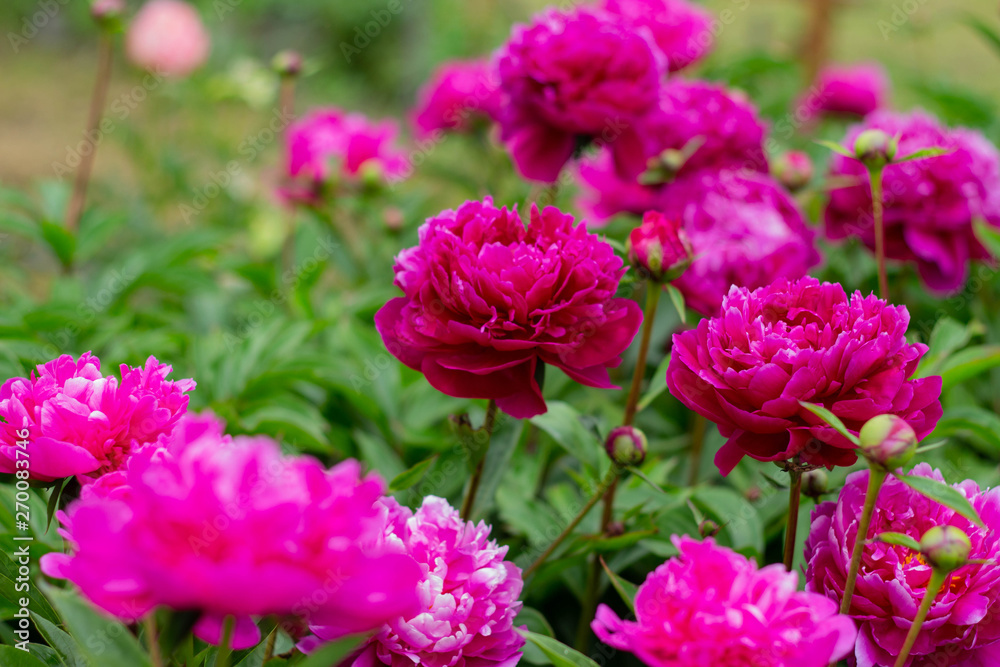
226, 647
875, 177
598, 494
652, 301
477, 475
97, 100
937, 581
153, 639
876, 477
792, 525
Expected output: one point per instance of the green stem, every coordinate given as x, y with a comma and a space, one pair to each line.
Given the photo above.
792, 525
652, 301
937, 581
876, 477
226, 647
152, 637
875, 177
477, 475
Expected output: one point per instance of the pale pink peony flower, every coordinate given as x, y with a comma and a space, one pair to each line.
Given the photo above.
82, 423
712, 606
167, 37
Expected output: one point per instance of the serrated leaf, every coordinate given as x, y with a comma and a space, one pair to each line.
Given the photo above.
560, 654
944, 494
412, 476
899, 539
626, 589
830, 419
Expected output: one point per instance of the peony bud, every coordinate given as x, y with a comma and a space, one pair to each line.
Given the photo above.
287, 63
107, 12
168, 37
708, 528
815, 483
660, 247
794, 170
888, 441
946, 548
393, 218
875, 148
626, 445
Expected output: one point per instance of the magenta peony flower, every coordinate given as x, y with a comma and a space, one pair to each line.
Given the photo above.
327, 144
681, 29
571, 78
167, 37
748, 368
712, 606
660, 247
487, 303
745, 229
930, 204
233, 528
605, 194
468, 595
457, 92
963, 626
82, 423
852, 90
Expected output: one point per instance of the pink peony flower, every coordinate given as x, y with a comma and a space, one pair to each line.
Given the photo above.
712, 606
457, 92
167, 37
930, 204
745, 229
852, 90
748, 368
468, 595
571, 78
963, 626
604, 194
82, 423
328, 144
660, 247
681, 29
230, 527
487, 303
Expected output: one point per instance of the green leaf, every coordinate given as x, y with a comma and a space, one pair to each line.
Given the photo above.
948, 335
931, 446
627, 590
562, 422
60, 641
735, 513
899, 539
986, 31
942, 493
408, 478
8, 590
535, 621
53, 505
61, 240
921, 154
560, 654
836, 148
831, 419
980, 427
14, 657
334, 652
969, 363
657, 385
678, 300
988, 235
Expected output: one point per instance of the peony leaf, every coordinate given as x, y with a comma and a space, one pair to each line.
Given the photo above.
626, 589
8, 589
334, 652
931, 446
412, 476
560, 654
831, 419
979, 427
835, 147
899, 539
969, 363
657, 386
64, 645
15, 657
60, 240
942, 493
948, 336
102, 640
678, 300
921, 154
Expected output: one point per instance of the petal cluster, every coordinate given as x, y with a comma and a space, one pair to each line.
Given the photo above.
682, 30
930, 204
748, 368
167, 37
712, 606
488, 301
853, 90
963, 625
83, 423
457, 92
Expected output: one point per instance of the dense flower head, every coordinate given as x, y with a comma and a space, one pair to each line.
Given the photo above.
930, 204
571, 78
682, 30
748, 368
746, 230
852, 90
963, 626
468, 595
487, 302
231, 527
712, 606
80, 422
457, 92
167, 37
329, 144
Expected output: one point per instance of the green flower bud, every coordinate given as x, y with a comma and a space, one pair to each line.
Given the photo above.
888, 441
626, 445
875, 148
946, 548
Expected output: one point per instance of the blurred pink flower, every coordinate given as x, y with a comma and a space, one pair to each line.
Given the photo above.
712, 606
167, 37
82, 423
963, 626
572, 78
456, 93
747, 369
487, 302
682, 30
851, 90
930, 204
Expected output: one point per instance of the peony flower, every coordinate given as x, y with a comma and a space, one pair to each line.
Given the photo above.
167, 37
82, 423
712, 606
468, 595
930, 204
571, 78
457, 92
681, 29
853, 90
488, 302
230, 527
963, 626
605, 194
745, 229
748, 368
660, 247
328, 144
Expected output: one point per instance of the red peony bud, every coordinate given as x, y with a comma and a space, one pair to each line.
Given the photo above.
660, 247
794, 170
107, 11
